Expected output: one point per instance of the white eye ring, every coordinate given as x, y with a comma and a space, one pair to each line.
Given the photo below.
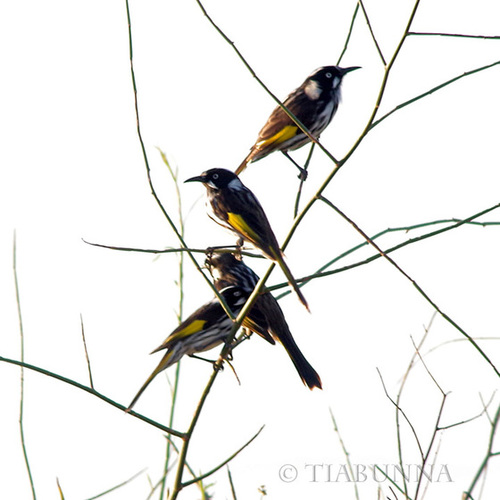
328, 75
215, 176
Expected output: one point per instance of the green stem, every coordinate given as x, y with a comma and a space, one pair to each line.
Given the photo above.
21, 399
416, 285
95, 393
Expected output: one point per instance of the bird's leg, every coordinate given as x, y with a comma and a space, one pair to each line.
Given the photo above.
303, 171
214, 362
245, 335
209, 252
239, 246
302, 180
195, 356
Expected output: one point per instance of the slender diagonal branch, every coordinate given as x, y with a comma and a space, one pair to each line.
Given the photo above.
349, 33
438, 420
322, 270
116, 487
301, 126
345, 452
489, 454
399, 409
85, 388
399, 396
225, 462
178, 483
432, 90
148, 169
372, 33
91, 381
416, 285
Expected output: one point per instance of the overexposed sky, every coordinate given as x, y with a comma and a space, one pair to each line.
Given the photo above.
72, 170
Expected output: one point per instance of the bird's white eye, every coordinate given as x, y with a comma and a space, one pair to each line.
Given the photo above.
215, 176
328, 75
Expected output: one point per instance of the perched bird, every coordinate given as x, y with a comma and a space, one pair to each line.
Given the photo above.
314, 104
266, 312
206, 328
235, 207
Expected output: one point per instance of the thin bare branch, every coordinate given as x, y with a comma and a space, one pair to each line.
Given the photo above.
173, 250
91, 381
431, 91
231, 484
372, 33
470, 419
417, 286
94, 393
148, 169
302, 127
21, 398
346, 453
225, 462
400, 393
455, 35
417, 350
178, 482
489, 454
180, 286
349, 33
114, 488
391, 480
399, 409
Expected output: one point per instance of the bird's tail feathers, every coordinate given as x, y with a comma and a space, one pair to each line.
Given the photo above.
306, 371
291, 280
164, 363
244, 163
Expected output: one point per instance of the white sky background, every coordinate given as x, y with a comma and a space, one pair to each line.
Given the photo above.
72, 168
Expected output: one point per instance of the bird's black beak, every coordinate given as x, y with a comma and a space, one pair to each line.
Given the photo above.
348, 70
198, 178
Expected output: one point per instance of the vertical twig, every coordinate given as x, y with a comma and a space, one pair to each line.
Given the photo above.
180, 315
231, 484
21, 402
349, 33
185, 445
346, 453
146, 161
489, 454
398, 398
91, 381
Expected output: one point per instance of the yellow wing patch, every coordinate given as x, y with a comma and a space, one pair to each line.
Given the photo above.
283, 135
193, 327
238, 222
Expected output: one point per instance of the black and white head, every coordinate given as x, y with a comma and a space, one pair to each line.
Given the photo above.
225, 268
235, 297
217, 179
325, 79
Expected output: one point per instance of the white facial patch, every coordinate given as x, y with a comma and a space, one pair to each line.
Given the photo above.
336, 82
312, 90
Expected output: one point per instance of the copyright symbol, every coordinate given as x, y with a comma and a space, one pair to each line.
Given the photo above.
288, 473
